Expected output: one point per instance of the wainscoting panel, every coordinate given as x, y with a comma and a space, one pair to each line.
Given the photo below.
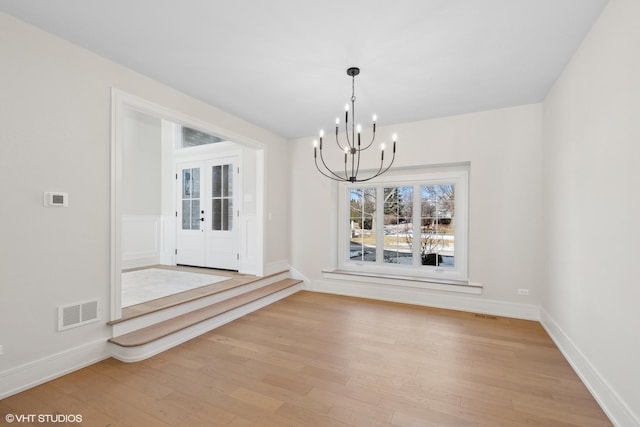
141, 240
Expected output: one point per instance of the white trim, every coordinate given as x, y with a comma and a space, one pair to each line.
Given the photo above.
409, 281
39, 371
120, 100
117, 125
294, 273
427, 297
612, 404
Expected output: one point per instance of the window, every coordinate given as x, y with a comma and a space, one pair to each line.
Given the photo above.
409, 225
187, 137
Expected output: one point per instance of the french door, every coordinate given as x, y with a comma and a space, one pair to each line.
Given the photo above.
207, 212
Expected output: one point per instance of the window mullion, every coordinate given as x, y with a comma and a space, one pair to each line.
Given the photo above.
417, 223
379, 228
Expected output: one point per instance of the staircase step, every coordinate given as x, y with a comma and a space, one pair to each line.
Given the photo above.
236, 281
167, 327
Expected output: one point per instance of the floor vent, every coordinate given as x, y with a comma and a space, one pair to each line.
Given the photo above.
70, 316
485, 316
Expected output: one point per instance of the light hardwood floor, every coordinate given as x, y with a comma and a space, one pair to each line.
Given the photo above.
325, 360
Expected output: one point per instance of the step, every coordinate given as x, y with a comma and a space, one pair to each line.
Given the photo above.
160, 330
177, 305
203, 293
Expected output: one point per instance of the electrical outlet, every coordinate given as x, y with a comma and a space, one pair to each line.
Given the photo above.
523, 291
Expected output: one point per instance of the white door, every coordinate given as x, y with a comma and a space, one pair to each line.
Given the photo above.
207, 213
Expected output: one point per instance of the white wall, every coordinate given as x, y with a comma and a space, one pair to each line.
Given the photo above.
142, 224
592, 209
503, 148
141, 163
55, 119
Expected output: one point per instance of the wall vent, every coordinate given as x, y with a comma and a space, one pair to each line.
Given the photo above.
82, 313
485, 316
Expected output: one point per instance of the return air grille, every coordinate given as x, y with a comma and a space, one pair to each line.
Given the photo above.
70, 316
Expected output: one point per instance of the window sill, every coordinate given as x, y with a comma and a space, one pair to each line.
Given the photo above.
463, 286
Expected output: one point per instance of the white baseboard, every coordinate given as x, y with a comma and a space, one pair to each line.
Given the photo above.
296, 274
140, 262
28, 375
611, 403
40, 371
412, 295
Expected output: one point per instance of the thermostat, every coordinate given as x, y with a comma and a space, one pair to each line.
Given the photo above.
56, 199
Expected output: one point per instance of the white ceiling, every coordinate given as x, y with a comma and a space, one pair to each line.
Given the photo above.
281, 64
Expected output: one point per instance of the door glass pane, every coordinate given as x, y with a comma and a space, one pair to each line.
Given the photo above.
216, 181
216, 212
362, 243
225, 214
222, 197
191, 199
229, 186
398, 225
195, 214
186, 215
229, 214
186, 183
195, 172
438, 225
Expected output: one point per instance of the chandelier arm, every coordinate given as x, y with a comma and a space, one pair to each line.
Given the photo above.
346, 133
376, 174
358, 167
346, 175
338, 143
370, 143
335, 178
339, 178
331, 177
387, 168
381, 170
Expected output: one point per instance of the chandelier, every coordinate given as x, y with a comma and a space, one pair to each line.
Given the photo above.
352, 147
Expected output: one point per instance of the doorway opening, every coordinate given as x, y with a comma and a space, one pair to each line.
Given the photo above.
183, 193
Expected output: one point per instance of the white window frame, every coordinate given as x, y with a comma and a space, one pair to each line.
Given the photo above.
439, 274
